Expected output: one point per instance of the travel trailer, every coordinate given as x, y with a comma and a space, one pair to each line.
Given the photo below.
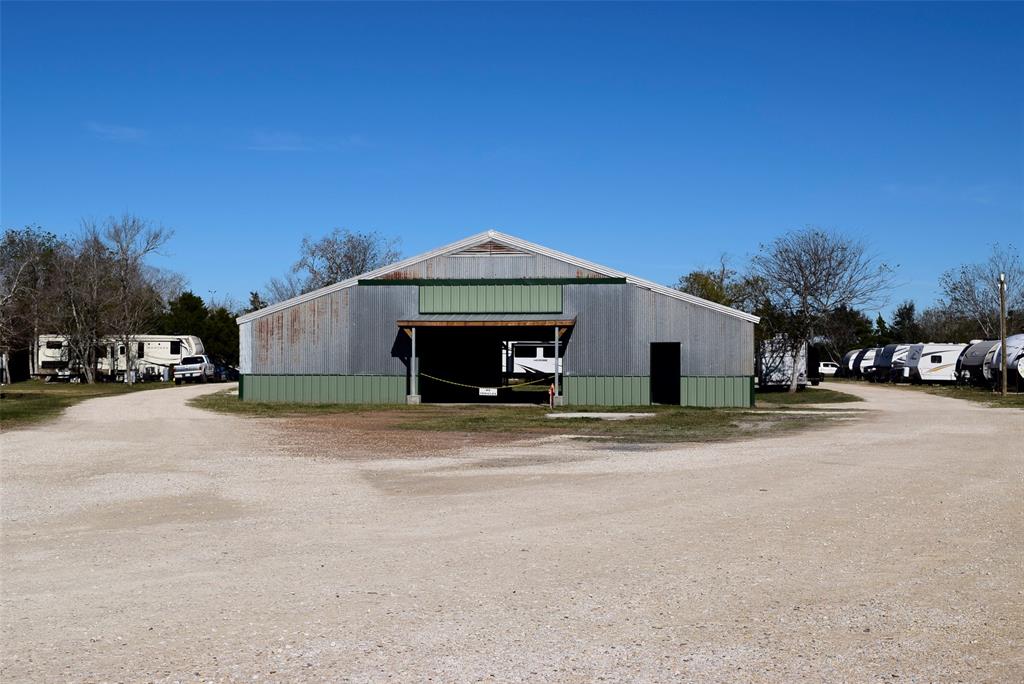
775, 365
866, 361
933, 362
152, 357
889, 364
857, 359
971, 365
846, 365
882, 369
899, 372
993, 367
523, 359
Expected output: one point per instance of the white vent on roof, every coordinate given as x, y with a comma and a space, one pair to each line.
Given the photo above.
490, 248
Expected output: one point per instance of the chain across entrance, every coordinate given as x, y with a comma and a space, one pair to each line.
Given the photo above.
477, 387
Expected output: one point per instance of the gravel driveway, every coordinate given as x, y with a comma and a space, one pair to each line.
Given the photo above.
146, 540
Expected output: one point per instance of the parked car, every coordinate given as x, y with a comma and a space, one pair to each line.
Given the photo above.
828, 368
195, 369
225, 373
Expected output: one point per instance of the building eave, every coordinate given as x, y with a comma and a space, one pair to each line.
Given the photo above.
512, 241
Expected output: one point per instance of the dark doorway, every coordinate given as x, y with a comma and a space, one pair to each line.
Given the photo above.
456, 361
665, 373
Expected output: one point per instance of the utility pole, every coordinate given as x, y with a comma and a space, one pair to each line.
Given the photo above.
1002, 326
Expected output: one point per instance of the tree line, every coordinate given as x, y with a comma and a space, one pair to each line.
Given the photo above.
99, 284
812, 286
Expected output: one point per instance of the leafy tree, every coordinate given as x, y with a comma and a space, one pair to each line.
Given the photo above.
256, 303
905, 327
941, 324
881, 335
185, 315
188, 314
718, 285
844, 329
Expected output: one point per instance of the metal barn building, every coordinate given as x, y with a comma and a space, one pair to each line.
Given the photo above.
439, 327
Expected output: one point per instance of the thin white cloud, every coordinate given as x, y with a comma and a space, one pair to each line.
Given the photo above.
114, 133
277, 141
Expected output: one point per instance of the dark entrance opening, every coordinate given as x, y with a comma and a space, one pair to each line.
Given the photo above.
455, 362
665, 373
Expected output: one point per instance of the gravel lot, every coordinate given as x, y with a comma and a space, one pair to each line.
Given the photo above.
146, 540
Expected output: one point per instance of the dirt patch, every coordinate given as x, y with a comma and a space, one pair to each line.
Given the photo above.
374, 435
192, 546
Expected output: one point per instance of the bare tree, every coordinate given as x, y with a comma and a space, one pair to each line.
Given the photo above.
343, 254
337, 256
280, 289
131, 240
84, 298
972, 291
806, 274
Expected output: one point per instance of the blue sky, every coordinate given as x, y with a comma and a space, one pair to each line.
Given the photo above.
651, 138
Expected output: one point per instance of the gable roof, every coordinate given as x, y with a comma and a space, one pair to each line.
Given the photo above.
491, 240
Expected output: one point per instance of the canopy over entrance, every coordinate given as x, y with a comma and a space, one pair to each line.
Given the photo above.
487, 321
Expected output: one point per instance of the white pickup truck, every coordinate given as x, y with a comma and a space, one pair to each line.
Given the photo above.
194, 369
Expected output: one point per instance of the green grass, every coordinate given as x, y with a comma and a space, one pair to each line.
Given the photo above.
26, 403
981, 395
808, 396
670, 423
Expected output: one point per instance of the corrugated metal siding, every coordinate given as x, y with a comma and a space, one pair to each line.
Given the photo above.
717, 391
353, 331
373, 334
505, 266
607, 391
245, 348
490, 298
325, 389
636, 391
616, 325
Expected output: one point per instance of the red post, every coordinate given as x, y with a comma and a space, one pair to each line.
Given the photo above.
551, 395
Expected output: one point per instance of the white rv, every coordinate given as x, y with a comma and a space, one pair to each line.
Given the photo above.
523, 358
152, 357
775, 364
933, 362
867, 360
993, 367
899, 371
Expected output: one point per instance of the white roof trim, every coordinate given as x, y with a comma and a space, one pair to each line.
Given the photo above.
512, 241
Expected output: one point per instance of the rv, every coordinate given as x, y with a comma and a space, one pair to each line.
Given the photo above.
969, 368
530, 359
993, 367
846, 367
775, 365
889, 363
867, 359
899, 372
933, 362
152, 357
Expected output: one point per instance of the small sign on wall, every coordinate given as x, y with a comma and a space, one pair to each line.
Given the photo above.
488, 391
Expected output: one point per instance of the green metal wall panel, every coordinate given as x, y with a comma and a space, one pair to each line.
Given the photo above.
490, 298
718, 391
324, 389
606, 390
